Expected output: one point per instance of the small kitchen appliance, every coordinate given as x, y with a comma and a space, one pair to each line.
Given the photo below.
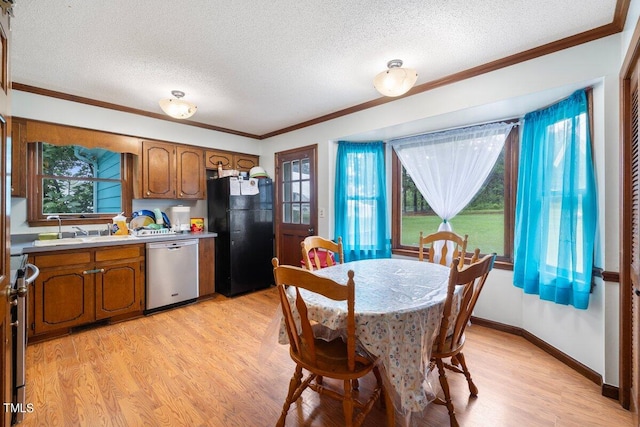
180, 217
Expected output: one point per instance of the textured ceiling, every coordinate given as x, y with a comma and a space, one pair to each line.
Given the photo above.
258, 67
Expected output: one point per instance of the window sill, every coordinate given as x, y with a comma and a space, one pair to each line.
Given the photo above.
499, 264
70, 221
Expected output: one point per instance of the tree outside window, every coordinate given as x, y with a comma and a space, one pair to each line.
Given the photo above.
80, 181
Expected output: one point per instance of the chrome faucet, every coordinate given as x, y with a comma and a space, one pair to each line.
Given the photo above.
80, 230
50, 217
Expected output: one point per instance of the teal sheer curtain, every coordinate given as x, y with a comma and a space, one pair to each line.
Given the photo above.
556, 207
361, 202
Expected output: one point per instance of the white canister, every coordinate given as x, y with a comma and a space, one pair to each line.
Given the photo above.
180, 217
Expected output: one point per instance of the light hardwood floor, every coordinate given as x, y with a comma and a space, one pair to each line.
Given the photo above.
201, 365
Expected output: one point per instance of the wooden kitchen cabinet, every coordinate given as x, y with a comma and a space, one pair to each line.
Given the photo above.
83, 286
206, 265
244, 162
119, 286
63, 299
18, 158
63, 294
230, 160
213, 158
190, 173
158, 170
171, 171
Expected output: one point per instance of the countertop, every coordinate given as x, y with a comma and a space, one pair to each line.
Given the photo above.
23, 244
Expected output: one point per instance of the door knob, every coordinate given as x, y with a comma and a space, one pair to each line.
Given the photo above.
19, 292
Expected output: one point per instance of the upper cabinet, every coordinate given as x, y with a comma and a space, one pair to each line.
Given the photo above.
230, 160
171, 171
158, 170
161, 169
190, 173
213, 158
244, 162
19, 158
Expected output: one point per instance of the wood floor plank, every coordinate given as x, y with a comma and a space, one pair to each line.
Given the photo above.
206, 364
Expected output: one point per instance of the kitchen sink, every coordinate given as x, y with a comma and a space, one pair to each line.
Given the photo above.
79, 240
56, 242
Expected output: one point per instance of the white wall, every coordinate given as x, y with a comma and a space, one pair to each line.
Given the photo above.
589, 336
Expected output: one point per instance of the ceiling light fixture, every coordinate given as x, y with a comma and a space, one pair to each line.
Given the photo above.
176, 107
395, 81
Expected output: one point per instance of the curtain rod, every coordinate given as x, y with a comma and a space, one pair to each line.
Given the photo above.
586, 89
511, 119
517, 118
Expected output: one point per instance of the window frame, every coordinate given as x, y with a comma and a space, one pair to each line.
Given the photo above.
35, 217
511, 147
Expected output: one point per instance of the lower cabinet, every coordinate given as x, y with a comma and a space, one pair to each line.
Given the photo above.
77, 287
119, 281
63, 298
206, 265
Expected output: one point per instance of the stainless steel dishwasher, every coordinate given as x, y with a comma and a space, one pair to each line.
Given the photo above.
172, 273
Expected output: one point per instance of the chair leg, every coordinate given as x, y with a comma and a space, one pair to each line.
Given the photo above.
472, 387
347, 404
294, 383
447, 395
454, 361
387, 402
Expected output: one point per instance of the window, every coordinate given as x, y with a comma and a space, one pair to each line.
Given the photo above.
487, 219
296, 192
80, 184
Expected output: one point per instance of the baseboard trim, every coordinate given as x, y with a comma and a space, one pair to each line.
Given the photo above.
607, 390
611, 391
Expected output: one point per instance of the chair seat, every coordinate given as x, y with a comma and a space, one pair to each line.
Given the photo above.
332, 361
449, 348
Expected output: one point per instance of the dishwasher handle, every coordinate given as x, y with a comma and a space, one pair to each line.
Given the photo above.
36, 273
171, 245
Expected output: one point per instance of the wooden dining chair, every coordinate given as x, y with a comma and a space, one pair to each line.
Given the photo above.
455, 251
451, 338
336, 359
318, 252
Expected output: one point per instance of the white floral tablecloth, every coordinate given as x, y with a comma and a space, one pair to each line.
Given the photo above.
397, 309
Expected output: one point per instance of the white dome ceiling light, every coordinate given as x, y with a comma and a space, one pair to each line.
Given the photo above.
395, 81
176, 107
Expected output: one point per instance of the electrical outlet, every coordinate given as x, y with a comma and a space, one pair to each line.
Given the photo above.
321, 212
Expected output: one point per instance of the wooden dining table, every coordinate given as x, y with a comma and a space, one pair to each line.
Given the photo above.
398, 308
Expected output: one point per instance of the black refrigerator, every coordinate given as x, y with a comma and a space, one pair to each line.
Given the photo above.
241, 212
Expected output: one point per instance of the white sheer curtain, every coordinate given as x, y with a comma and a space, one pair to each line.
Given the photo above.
450, 167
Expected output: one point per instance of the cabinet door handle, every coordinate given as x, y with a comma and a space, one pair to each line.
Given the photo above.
97, 270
